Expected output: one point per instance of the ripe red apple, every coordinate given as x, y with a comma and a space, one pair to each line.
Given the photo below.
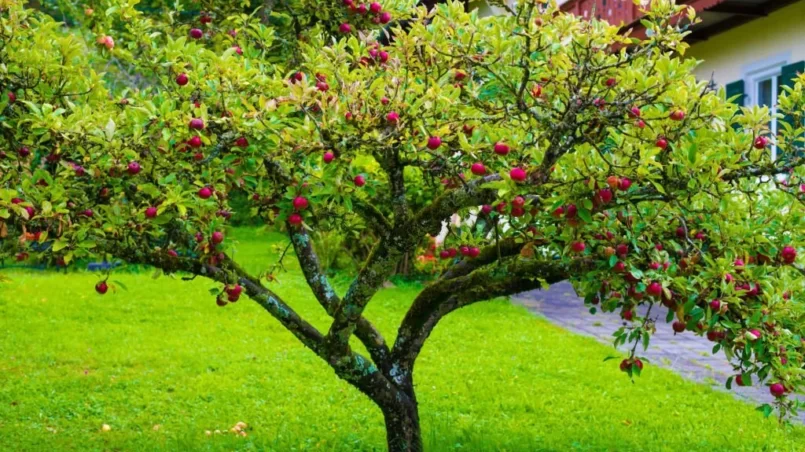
198, 156
662, 143
761, 142
383, 56
627, 315
392, 117
605, 195
678, 326
467, 129
622, 250
328, 157
345, 28
151, 212
217, 237
739, 380
473, 252
11, 97
194, 142
518, 174
625, 183
625, 365
196, 124
205, 193
359, 180
486, 209
295, 219
501, 148
182, 79
715, 305
322, 86
654, 289
518, 201
444, 254
434, 143
517, 211
375, 8
101, 287
678, 115
788, 254
578, 247
385, 18
242, 142
611, 82
619, 267
753, 335
196, 33
558, 212
777, 390
24, 151
635, 112
613, 182
571, 211
88, 213
220, 301
478, 169
300, 203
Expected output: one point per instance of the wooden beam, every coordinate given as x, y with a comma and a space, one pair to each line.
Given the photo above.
739, 10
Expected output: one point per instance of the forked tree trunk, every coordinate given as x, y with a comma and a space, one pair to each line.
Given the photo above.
403, 433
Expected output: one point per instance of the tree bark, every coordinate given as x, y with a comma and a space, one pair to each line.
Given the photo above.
403, 433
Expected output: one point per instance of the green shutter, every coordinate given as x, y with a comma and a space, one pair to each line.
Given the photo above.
736, 89
788, 74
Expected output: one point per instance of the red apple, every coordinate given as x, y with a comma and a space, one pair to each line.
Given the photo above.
196, 33
328, 157
625, 183
359, 180
101, 287
295, 219
217, 237
478, 169
518, 174
194, 142
678, 115
662, 143
761, 142
151, 212
375, 8
196, 124
777, 390
392, 117
345, 28
434, 143
678, 326
788, 254
578, 247
384, 18
205, 193
300, 203
501, 148
654, 289
182, 79
242, 142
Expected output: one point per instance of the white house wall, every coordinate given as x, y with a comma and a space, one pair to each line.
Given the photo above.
729, 56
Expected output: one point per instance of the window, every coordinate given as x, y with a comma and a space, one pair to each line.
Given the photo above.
763, 82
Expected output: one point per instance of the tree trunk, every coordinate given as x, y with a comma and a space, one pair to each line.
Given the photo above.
403, 433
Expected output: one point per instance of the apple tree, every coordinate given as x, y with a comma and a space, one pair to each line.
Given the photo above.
576, 152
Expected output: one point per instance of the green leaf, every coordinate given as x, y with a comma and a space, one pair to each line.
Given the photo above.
59, 245
121, 285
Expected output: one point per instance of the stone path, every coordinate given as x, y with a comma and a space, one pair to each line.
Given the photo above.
687, 354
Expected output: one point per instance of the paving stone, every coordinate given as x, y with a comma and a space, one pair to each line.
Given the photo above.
687, 354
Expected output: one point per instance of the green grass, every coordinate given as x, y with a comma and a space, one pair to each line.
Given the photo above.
492, 377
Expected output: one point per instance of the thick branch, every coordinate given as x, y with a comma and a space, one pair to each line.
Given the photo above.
514, 275
325, 294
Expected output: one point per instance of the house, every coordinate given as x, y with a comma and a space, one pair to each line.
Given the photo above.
751, 47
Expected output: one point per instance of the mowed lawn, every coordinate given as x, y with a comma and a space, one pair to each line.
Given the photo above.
161, 364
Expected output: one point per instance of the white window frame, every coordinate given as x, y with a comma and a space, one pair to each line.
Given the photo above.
756, 72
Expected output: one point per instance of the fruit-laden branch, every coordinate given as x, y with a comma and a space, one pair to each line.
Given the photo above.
325, 294
505, 248
351, 366
510, 276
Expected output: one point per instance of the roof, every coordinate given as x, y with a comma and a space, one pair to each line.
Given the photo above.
717, 15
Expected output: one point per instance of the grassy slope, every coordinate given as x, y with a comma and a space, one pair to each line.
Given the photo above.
492, 377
